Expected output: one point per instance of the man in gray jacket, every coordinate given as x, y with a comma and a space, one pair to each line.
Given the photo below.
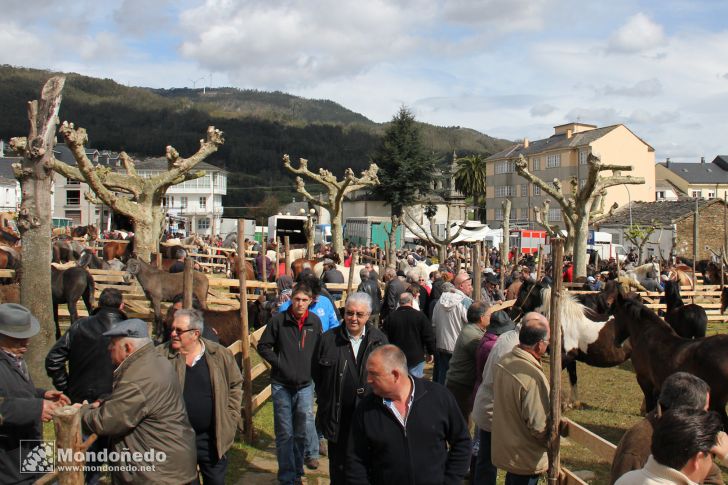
151, 439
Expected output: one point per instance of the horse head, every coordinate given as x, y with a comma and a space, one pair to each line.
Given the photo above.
84, 259
133, 266
529, 299
623, 309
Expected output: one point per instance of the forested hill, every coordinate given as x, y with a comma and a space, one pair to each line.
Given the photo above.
259, 127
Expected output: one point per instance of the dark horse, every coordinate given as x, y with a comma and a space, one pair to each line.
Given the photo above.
68, 286
584, 338
658, 352
689, 321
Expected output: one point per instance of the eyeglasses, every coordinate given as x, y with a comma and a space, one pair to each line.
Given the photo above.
180, 332
356, 314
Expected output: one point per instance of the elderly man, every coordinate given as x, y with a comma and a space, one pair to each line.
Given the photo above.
521, 405
449, 317
288, 344
212, 389
144, 412
339, 371
408, 430
490, 292
411, 331
22, 405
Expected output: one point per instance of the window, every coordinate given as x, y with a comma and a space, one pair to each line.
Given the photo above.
513, 213
554, 214
168, 201
583, 156
499, 214
536, 163
504, 191
536, 190
183, 202
72, 182
711, 194
505, 166
73, 197
660, 195
524, 213
696, 193
524, 190
203, 202
203, 224
553, 160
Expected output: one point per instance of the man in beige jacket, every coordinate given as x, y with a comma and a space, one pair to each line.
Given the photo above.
521, 406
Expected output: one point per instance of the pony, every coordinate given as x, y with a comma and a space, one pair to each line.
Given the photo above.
647, 275
121, 250
90, 232
658, 352
68, 286
600, 302
683, 274
688, 321
584, 339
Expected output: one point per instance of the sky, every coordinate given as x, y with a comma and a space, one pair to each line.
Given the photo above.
508, 68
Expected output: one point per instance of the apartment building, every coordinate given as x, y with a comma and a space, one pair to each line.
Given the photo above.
563, 156
702, 180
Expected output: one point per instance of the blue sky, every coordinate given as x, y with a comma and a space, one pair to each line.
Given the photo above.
508, 68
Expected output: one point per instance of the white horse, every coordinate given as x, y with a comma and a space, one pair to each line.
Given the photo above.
647, 275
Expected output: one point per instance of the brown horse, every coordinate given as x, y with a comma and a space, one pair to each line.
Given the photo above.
658, 352
90, 232
298, 265
232, 260
121, 250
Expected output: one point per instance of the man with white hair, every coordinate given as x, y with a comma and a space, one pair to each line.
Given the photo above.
212, 390
145, 415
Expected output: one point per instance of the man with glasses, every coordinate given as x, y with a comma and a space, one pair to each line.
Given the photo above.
339, 371
288, 344
521, 406
212, 387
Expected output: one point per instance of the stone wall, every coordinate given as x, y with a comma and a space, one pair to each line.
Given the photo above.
710, 232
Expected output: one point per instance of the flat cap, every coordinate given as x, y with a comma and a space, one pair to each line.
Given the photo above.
134, 328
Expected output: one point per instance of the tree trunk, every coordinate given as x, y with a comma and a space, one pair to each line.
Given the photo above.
34, 222
337, 234
442, 253
580, 256
392, 254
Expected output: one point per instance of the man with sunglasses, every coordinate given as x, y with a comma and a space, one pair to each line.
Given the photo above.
212, 387
339, 371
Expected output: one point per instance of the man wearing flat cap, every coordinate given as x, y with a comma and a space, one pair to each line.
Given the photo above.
144, 417
22, 405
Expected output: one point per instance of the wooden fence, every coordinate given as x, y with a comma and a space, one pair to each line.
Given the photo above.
593, 442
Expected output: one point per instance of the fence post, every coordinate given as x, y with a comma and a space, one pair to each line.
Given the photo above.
350, 284
245, 342
287, 249
554, 441
188, 283
67, 422
264, 261
477, 274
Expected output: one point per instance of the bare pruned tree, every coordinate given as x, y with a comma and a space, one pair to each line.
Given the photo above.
429, 235
336, 190
138, 198
583, 205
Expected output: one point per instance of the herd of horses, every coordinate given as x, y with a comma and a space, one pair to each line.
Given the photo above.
607, 328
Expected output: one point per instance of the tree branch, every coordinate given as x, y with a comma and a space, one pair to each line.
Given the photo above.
178, 166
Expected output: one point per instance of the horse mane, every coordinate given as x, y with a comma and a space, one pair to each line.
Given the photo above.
577, 329
636, 310
643, 269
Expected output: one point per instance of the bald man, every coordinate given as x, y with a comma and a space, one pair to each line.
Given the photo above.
521, 404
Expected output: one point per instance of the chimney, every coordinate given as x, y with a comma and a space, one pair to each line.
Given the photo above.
569, 133
667, 162
525, 143
702, 159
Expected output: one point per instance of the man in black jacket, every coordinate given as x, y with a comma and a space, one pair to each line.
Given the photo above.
411, 330
407, 431
394, 287
370, 286
288, 344
339, 371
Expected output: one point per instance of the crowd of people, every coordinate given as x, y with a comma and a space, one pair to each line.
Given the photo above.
350, 384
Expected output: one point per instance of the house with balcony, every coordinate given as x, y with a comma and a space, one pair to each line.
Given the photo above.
690, 179
192, 206
564, 156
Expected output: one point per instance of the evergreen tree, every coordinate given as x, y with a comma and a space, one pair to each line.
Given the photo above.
405, 169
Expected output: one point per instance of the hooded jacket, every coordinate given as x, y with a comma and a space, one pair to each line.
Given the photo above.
449, 317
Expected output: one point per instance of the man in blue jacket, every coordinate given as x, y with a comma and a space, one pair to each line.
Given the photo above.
408, 431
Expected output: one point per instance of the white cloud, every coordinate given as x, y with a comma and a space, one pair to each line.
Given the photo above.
639, 34
21, 46
542, 109
141, 17
646, 88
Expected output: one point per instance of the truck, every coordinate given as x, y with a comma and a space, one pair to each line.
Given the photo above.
322, 234
365, 231
527, 241
601, 243
294, 227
